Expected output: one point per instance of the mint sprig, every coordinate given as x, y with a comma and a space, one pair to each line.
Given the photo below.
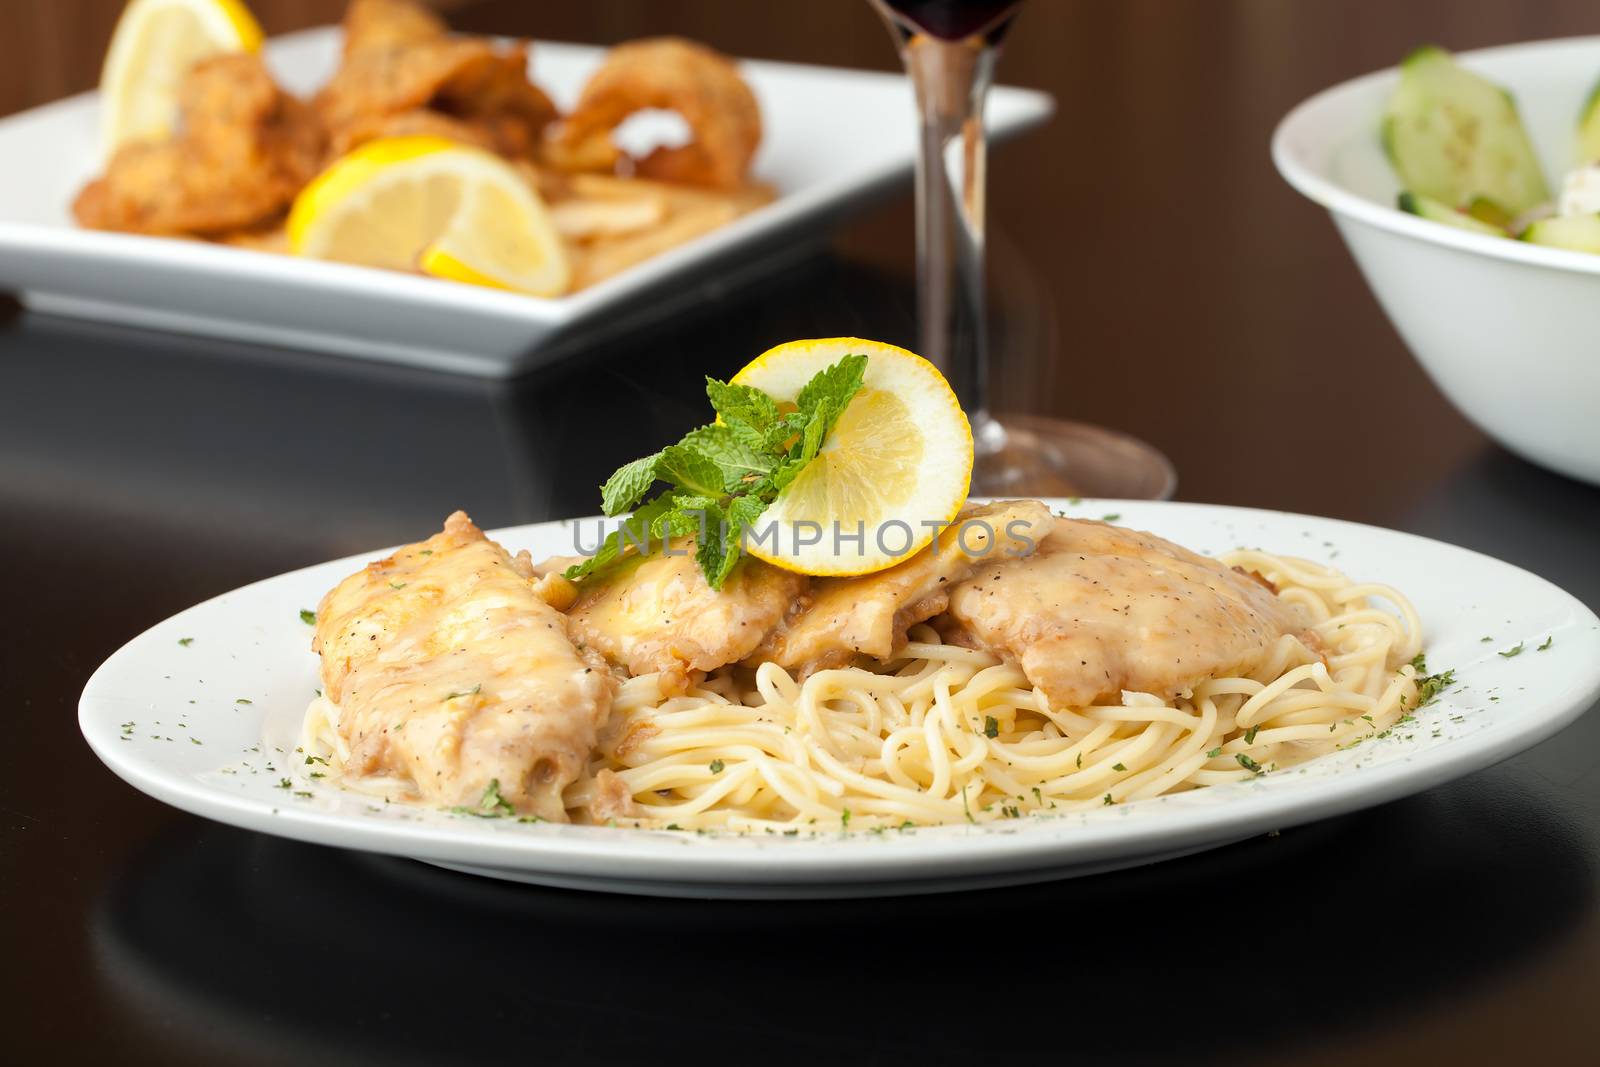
722, 476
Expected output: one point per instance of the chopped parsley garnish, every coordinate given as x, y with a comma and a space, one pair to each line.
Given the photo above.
1510, 652
1485, 640
1214, 753
316, 759
308, 616
1108, 801
1080, 761
723, 475
716, 768
397, 585
1433, 685
194, 740
490, 806
242, 700
1118, 767
284, 783
991, 726
474, 691
185, 641
1113, 517
1250, 735
1248, 764
1547, 643
844, 819
1419, 663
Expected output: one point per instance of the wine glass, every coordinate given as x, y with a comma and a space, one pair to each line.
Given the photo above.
950, 48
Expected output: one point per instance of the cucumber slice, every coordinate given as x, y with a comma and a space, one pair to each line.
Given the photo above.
1454, 136
1580, 233
1589, 127
1428, 208
1485, 210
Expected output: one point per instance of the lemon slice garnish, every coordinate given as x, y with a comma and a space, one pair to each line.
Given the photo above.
435, 205
897, 464
155, 44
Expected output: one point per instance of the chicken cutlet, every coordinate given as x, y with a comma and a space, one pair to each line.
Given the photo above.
845, 618
657, 613
451, 671
244, 148
399, 58
1098, 609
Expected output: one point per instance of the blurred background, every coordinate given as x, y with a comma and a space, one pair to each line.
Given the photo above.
1144, 227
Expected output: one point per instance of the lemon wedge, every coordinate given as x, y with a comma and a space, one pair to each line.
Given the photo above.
435, 205
896, 467
155, 44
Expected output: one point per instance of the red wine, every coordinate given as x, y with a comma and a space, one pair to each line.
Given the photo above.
954, 20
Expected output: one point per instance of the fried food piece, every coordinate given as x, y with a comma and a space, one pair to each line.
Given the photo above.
379, 24
1098, 609
656, 613
399, 59
686, 214
672, 74
450, 670
418, 123
244, 149
869, 615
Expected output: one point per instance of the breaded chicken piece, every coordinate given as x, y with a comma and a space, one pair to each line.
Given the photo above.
376, 24
869, 616
398, 58
243, 150
452, 671
657, 613
1098, 609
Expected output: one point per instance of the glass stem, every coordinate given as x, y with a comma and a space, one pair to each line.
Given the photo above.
951, 79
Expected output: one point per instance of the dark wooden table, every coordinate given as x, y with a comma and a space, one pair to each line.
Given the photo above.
1149, 271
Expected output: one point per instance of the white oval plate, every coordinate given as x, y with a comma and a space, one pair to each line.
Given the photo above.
209, 726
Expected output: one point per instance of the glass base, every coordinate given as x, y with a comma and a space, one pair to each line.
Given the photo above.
1031, 455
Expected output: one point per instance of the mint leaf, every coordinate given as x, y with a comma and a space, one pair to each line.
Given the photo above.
741, 403
624, 489
686, 516
688, 469
831, 390
637, 529
805, 450
714, 551
741, 462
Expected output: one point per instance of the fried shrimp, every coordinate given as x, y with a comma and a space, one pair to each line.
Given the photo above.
399, 59
243, 150
671, 74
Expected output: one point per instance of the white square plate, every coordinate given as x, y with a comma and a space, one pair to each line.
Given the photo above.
833, 138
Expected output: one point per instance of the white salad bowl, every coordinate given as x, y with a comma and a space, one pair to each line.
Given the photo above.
1509, 331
